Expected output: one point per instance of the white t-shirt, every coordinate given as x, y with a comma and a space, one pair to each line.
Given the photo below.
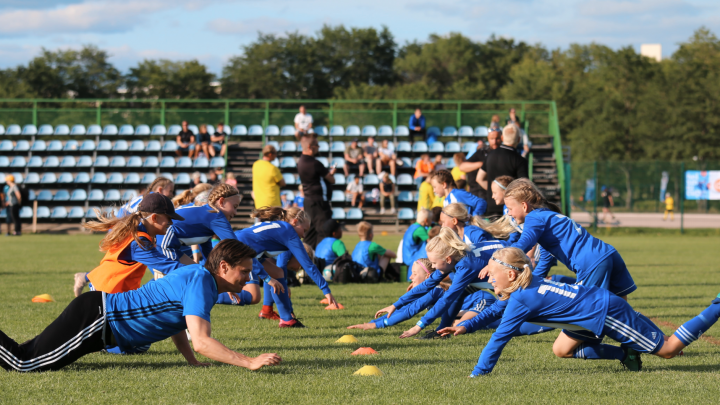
354, 188
389, 151
303, 121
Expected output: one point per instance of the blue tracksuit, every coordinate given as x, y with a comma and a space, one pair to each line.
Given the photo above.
130, 207
200, 224
412, 249
149, 256
473, 235
475, 205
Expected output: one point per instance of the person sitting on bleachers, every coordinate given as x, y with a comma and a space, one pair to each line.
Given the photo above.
218, 141
423, 168
387, 190
370, 151
186, 141
426, 196
417, 125
355, 191
354, 158
303, 123
458, 174
204, 143
438, 163
386, 157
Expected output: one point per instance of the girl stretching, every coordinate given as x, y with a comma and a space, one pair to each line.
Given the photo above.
161, 185
444, 186
448, 254
279, 231
577, 307
456, 217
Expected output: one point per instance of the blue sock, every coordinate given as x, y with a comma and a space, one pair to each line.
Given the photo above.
245, 299
691, 330
527, 329
282, 300
267, 295
598, 352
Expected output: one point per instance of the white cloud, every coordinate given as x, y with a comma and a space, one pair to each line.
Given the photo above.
265, 25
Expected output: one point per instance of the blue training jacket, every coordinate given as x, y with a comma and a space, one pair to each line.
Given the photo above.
472, 235
475, 205
200, 224
412, 249
324, 250
149, 256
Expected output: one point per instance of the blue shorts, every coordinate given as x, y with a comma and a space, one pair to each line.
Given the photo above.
189, 148
217, 146
610, 274
478, 301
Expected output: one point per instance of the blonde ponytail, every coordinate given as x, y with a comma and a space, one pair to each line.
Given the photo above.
219, 191
517, 258
188, 196
448, 244
120, 228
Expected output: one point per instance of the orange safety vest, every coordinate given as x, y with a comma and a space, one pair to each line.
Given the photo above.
114, 275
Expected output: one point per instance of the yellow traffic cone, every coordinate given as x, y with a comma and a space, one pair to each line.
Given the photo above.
347, 339
368, 370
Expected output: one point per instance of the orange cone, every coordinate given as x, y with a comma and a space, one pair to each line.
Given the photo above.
43, 298
324, 301
363, 351
333, 307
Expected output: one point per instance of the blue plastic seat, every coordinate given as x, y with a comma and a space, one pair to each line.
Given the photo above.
288, 146
87, 146
272, 130
96, 195
76, 213
18, 161
158, 130
112, 195
22, 146
101, 161
150, 177
136, 146
38, 146
35, 161
104, 145
184, 162
274, 144
437, 147
339, 179
275, 162
126, 130
338, 147
44, 195
255, 130
338, 196
433, 131
2, 129
420, 147
31, 178
57, 213
167, 162
323, 147
29, 130
402, 130
115, 178
217, 161
3, 213
182, 178
338, 213
78, 130
405, 196
78, 195
61, 195
481, 131
153, 146
289, 178
449, 131
287, 163
54, 146
48, 178
338, 162
13, 129
323, 160
65, 178
118, 161
337, 130
371, 179
62, 130
321, 131
94, 130
369, 130
404, 146
99, 178
69, 161
354, 214
132, 178
406, 214
169, 146
120, 146
201, 163
135, 161
142, 130
173, 130
26, 212
150, 162
45, 130
452, 147
352, 130
469, 147
91, 212
450, 164
6, 145
404, 179
465, 131
287, 130
71, 146
110, 130
239, 130
4, 162
385, 130
82, 178
128, 195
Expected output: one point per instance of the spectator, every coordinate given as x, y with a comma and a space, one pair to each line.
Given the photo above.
607, 201
513, 119
461, 184
494, 121
299, 200
266, 180
370, 151
315, 179
386, 157
459, 159
426, 196
354, 158
303, 123
204, 141
219, 173
196, 179
417, 125
369, 254
212, 177
12, 200
231, 180
422, 168
355, 191
284, 203
475, 162
438, 163
186, 141
503, 161
387, 190
218, 141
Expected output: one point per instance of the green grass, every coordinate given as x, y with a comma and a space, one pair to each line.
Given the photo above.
677, 277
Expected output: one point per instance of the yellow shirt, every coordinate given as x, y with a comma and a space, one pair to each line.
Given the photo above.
265, 184
457, 173
669, 203
438, 201
426, 197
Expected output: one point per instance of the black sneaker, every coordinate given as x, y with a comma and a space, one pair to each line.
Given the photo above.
432, 335
632, 361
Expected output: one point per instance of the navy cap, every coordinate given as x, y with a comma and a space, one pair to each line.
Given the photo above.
156, 203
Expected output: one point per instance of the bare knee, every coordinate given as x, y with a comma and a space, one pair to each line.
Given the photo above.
562, 351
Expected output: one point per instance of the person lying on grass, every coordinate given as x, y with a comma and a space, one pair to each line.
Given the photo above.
154, 312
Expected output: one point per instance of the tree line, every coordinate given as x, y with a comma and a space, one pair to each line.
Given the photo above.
613, 104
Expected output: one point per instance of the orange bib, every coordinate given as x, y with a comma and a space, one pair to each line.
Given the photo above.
113, 275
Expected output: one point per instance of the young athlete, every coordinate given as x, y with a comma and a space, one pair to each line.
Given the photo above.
160, 185
444, 186
331, 247
299, 200
669, 207
498, 187
448, 254
130, 246
157, 311
188, 196
369, 254
278, 231
577, 307
456, 217
415, 238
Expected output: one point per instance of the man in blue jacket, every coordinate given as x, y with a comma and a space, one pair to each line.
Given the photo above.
417, 125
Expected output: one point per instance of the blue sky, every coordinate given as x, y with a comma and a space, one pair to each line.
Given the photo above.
214, 30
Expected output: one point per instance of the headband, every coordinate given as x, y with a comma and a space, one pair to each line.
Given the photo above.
423, 266
510, 265
499, 185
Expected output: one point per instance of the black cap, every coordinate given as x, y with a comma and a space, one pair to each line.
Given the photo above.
354, 140
332, 225
156, 203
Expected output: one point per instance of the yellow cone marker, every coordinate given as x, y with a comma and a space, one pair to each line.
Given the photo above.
43, 298
347, 339
368, 370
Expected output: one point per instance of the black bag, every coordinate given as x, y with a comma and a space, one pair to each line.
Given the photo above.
345, 270
24, 195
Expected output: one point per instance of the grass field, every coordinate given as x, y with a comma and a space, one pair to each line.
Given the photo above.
677, 277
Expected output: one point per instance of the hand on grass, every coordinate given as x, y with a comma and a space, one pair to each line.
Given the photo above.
276, 286
363, 326
267, 359
199, 364
411, 332
331, 300
389, 310
455, 330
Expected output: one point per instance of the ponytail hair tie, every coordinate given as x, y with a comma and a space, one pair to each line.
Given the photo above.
423, 266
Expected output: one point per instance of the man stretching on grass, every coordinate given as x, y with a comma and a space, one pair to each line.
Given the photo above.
158, 310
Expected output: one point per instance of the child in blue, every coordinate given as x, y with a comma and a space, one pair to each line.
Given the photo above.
280, 231
299, 200
331, 247
448, 254
369, 254
587, 308
415, 238
157, 311
456, 217
444, 186
160, 185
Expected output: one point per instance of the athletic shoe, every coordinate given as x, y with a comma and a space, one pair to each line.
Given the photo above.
272, 315
80, 283
294, 323
432, 335
632, 361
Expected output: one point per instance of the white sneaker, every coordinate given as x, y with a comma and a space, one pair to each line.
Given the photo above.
80, 283
382, 211
392, 210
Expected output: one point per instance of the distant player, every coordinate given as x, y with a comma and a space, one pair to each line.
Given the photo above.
444, 186
669, 207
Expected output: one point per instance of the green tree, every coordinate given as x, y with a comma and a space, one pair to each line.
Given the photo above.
168, 79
